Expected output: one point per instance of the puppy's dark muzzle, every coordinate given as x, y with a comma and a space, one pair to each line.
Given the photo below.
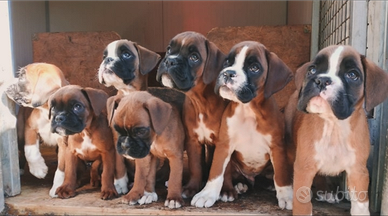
132, 148
174, 63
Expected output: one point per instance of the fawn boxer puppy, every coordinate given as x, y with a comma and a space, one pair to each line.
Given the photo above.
192, 64
252, 127
326, 121
148, 129
34, 84
80, 114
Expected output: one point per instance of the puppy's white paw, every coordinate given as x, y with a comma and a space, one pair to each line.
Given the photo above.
172, 204
35, 161
241, 188
205, 198
148, 198
59, 177
284, 195
38, 168
226, 198
121, 184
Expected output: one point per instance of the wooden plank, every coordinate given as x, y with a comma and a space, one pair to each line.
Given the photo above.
77, 54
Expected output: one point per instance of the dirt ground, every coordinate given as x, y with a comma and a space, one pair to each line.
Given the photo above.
35, 200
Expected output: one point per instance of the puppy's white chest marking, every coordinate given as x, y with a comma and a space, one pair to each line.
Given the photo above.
334, 153
44, 129
244, 137
203, 132
86, 146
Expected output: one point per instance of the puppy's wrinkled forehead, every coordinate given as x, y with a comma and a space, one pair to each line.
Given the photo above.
187, 42
116, 48
332, 60
246, 53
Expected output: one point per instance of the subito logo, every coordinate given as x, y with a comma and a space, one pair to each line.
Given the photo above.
303, 194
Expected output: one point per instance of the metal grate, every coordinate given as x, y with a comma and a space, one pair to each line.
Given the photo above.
334, 22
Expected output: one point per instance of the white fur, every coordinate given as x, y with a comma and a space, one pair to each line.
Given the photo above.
285, 196
239, 80
245, 139
172, 204
241, 188
86, 145
211, 192
203, 132
35, 160
334, 153
166, 81
121, 184
334, 63
59, 177
359, 208
147, 198
44, 128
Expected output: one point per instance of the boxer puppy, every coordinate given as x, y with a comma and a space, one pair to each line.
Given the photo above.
80, 114
252, 127
149, 129
326, 121
125, 66
32, 88
192, 64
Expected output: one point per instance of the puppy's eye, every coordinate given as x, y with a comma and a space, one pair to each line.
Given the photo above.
140, 132
353, 75
77, 107
168, 50
194, 58
312, 70
126, 55
254, 68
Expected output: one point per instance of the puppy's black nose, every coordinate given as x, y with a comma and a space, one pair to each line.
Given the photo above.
171, 62
322, 82
59, 118
108, 59
229, 73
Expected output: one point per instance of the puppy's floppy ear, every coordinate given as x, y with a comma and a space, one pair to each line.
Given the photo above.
51, 104
300, 75
159, 112
111, 104
279, 74
147, 59
97, 99
376, 84
214, 61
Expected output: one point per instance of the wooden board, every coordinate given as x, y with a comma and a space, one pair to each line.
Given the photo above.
291, 43
77, 54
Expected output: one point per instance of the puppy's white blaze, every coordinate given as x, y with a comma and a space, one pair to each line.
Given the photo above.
86, 145
333, 152
239, 79
129, 157
211, 192
121, 184
245, 139
111, 49
166, 81
359, 208
35, 160
59, 177
203, 133
334, 63
284, 194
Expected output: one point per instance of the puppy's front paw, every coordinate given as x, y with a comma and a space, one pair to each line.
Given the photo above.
65, 191
228, 195
121, 184
148, 198
204, 198
190, 189
108, 192
38, 168
284, 195
59, 177
132, 197
241, 188
173, 202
